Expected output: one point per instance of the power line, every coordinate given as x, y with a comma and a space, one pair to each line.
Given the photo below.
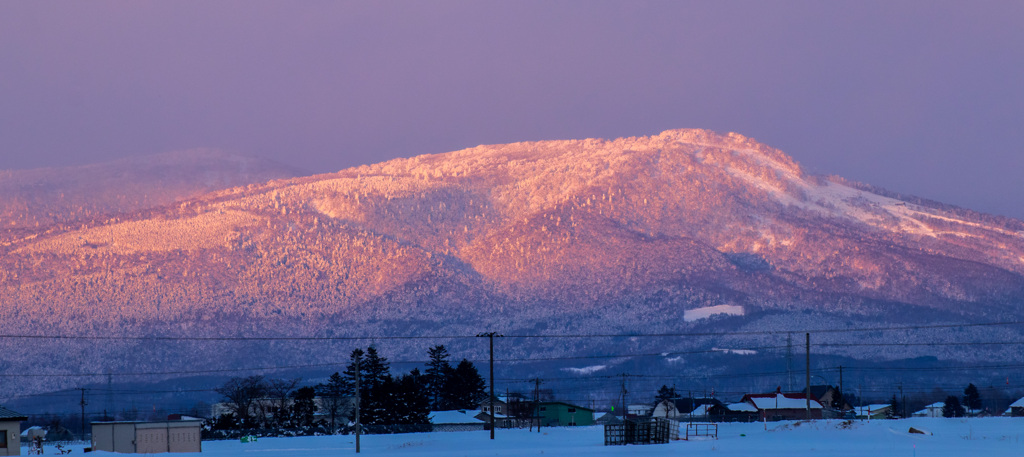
535, 359
441, 337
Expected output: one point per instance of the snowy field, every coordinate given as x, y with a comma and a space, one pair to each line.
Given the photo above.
989, 437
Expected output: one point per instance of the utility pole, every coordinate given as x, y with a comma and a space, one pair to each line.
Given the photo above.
110, 398
789, 361
536, 401
903, 403
625, 407
808, 376
358, 395
82, 403
490, 336
842, 394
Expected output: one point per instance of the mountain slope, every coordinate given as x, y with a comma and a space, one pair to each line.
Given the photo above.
46, 196
586, 236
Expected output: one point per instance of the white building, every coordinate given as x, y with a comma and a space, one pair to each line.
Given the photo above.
932, 410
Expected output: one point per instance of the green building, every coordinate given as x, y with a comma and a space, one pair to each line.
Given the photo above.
561, 414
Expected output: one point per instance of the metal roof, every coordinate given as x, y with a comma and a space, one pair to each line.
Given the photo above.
6, 414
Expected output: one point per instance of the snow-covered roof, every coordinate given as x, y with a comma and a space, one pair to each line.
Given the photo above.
741, 407
454, 417
782, 401
478, 413
700, 410
1018, 404
32, 431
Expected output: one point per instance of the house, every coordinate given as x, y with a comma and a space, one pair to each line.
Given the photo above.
1017, 408
602, 418
829, 396
784, 406
932, 410
500, 406
639, 409
147, 437
10, 431
876, 411
733, 412
559, 414
685, 408
501, 420
456, 421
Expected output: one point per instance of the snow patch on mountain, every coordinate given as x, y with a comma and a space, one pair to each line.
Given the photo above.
735, 351
691, 315
585, 370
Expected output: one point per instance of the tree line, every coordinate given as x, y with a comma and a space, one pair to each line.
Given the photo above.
255, 402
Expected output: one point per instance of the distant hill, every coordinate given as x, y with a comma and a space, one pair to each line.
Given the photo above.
578, 236
46, 196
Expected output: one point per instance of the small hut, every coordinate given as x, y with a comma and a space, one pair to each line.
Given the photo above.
10, 432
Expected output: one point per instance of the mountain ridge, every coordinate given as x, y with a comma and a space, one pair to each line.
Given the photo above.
621, 235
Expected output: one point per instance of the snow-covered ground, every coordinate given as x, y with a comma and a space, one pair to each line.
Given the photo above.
989, 437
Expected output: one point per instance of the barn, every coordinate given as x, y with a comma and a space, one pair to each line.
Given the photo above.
147, 437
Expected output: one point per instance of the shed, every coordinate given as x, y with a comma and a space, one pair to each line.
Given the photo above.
455, 421
10, 431
147, 437
560, 414
1016, 408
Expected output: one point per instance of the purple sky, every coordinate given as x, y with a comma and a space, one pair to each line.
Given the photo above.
919, 97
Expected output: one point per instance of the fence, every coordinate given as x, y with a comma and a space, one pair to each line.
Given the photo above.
656, 430
701, 429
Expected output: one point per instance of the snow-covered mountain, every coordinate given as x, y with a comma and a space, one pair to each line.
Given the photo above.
579, 236
46, 196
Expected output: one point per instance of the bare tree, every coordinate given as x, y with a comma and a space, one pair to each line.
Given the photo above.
241, 395
279, 392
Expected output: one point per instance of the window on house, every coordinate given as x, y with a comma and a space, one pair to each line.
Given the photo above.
3, 439
543, 408
572, 410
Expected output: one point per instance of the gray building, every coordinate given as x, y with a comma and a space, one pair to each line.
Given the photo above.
10, 432
147, 437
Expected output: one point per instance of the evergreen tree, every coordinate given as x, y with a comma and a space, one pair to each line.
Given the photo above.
953, 408
972, 399
334, 395
894, 409
377, 369
837, 400
666, 393
405, 399
304, 407
414, 399
465, 388
350, 371
374, 372
438, 372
